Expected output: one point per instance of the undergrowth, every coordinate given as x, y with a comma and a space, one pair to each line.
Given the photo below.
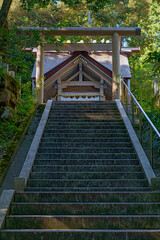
9, 126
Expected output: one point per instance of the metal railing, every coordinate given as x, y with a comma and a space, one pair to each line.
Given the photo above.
147, 133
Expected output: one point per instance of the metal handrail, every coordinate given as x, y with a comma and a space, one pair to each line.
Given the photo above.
137, 103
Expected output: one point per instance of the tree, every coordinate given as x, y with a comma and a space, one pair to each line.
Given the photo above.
94, 5
4, 12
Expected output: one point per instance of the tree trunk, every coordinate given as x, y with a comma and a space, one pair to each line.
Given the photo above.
4, 12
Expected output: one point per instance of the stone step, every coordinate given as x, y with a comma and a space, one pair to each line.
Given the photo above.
85, 122
140, 196
114, 139
84, 117
86, 144
87, 183
84, 111
86, 189
86, 155
84, 208
63, 113
80, 168
92, 162
87, 175
86, 135
99, 109
81, 104
83, 221
84, 126
89, 121
84, 107
86, 234
94, 150
86, 131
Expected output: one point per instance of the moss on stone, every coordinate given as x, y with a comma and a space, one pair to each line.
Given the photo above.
9, 89
11, 150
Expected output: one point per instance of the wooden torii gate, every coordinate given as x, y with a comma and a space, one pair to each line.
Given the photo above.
116, 34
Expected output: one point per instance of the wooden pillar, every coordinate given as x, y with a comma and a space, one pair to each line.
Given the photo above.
59, 89
115, 66
101, 89
40, 71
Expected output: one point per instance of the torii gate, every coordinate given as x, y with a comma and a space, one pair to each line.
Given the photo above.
116, 34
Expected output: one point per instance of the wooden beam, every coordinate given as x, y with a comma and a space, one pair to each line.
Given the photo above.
89, 77
79, 47
85, 31
78, 83
74, 75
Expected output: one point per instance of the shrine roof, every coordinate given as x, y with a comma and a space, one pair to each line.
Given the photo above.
53, 59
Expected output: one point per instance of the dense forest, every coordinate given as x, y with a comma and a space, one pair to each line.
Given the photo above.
145, 65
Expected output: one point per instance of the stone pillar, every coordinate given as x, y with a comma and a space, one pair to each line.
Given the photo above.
12, 73
59, 88
1, 64
116, 66
40, 71
101, 89
156, 90
155, 85
6, 67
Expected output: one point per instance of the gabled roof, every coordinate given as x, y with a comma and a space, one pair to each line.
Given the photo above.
106, 60
103, 60
51, 61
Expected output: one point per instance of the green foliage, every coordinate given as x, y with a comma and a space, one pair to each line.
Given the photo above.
94, 5
26, 104
29, 4
11, 146
18, 60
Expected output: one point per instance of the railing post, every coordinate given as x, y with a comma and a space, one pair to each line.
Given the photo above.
132, 103
151, 145
121, 90
126, 96
140, 126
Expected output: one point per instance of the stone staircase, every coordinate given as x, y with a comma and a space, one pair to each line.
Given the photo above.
86, 182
